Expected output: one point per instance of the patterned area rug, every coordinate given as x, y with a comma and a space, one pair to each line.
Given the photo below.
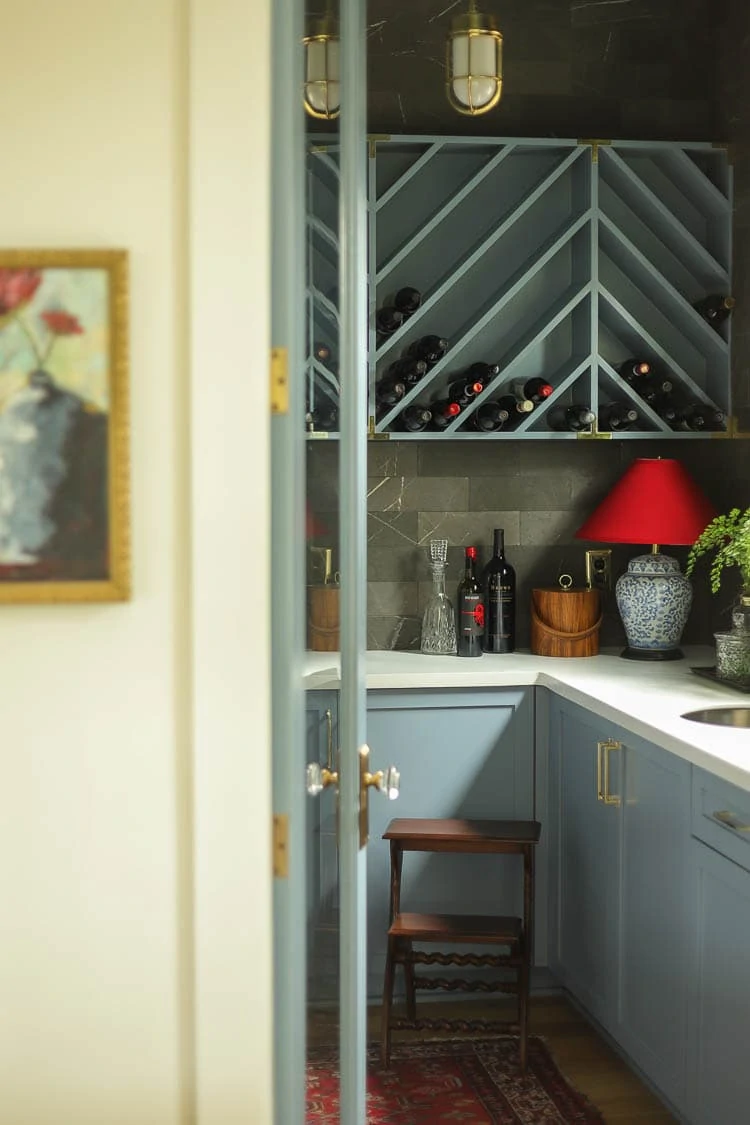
455, 1082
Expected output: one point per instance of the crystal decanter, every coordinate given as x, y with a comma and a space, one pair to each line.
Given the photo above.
438, 622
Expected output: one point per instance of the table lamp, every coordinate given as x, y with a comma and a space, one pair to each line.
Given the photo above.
656, 501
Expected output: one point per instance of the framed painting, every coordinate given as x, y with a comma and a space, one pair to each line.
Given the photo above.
64, 431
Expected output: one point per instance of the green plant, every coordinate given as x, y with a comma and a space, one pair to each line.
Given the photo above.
729, 536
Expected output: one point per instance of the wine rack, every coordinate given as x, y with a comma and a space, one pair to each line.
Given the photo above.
552, 258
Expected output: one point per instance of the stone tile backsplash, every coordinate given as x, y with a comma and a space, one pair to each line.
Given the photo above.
540, 492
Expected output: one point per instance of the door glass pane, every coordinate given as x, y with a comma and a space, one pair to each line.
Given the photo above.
322, 425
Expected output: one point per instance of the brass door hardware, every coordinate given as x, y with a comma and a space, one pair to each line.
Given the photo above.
320, 778
279, 381
603, 750
729, 820
386, 781
280, 846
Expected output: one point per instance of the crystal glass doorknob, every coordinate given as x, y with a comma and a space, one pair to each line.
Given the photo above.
319, 778
386, 781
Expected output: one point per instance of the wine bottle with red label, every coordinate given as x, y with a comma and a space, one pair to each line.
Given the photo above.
470, 609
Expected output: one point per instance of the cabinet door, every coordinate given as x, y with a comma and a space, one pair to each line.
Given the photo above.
585, 867
462, 754
322, 852
654, 950
719, 1075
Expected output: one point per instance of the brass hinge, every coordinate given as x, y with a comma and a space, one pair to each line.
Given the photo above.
281, 846
595, 143
279, 381
371, 435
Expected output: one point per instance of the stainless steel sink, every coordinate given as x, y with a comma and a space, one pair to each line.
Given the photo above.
721, 716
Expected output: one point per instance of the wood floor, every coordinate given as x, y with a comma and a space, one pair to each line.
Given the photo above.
581, 1054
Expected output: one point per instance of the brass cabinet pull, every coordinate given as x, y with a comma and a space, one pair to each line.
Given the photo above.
329, 742
729, 820
603, 750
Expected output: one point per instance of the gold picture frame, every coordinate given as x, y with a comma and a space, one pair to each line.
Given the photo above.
64, 426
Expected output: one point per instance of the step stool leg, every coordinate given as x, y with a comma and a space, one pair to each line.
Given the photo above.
411, 992
385, 1018
523, 1007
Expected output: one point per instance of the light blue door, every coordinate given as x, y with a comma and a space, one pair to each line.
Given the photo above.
319, 297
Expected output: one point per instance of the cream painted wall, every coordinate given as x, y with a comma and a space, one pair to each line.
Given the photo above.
105, 708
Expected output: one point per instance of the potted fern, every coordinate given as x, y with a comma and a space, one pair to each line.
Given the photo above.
728, 536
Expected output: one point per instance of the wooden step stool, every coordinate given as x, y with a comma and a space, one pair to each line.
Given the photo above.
496, 837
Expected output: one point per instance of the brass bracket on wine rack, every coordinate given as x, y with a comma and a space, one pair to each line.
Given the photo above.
372, 142
595, 143
594, 434
732, 431
371, 435
279, 381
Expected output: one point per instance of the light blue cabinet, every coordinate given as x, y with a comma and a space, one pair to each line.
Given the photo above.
619, 887
584, 864
322, 852
719, 1076
467, 753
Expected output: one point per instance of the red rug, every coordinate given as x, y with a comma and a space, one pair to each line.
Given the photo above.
455, 1082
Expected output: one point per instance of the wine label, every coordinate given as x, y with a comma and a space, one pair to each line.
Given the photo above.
472, 615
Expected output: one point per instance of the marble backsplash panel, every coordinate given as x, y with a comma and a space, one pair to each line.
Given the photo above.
540, 492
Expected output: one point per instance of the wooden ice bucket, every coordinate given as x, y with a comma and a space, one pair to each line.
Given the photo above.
565, 622
323, 618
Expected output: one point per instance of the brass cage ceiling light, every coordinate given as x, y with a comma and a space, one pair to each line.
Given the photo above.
322, 92
474, 63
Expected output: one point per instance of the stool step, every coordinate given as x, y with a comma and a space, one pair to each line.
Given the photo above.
413, 832
479, 928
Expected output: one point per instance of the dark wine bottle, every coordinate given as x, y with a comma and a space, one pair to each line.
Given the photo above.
388, 392
321, 352
408, 370
575, 417
323, 419
633, 369
483, 373
616, 416
517, 408
388, 320
414, 418
407, 300
489, 417
715, 308
499, 588
536, 390
464, 390
653, 389
429, 348
698, 416
470, 610
444, 412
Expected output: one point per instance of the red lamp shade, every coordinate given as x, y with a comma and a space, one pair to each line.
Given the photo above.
656, 501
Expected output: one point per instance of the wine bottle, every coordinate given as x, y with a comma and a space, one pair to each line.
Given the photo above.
536, 389
616, 416
444, 412
414, 418
575, 417
463, 391
470, 609
431, 349
323, 419
388, 393
633, 369
483, 373
388, 320
407, 301
517, 408
489, 417
321, 352
499, 588
698, 416
653, 389
408, 370
715, 308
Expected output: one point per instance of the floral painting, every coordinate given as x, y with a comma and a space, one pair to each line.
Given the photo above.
63, 426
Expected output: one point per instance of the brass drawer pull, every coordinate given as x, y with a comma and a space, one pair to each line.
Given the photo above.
729, 820
602, 771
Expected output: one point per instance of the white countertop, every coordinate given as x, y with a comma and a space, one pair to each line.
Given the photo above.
644, 698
